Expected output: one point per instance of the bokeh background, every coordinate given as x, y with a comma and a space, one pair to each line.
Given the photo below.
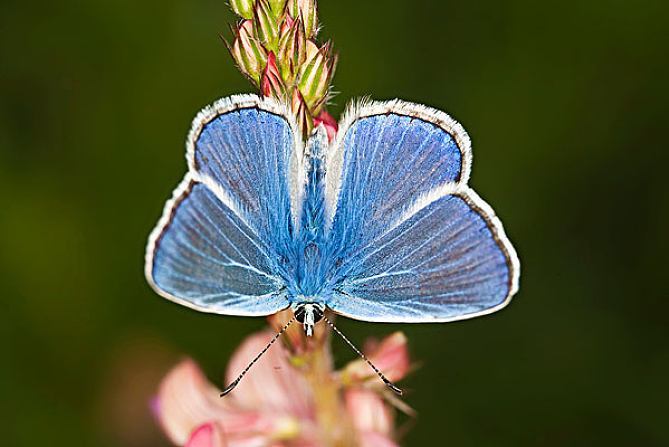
566, 103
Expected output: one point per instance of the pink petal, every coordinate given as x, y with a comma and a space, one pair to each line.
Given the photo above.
373, 439
207, 435
288, 21
272, 385
154, 407
368, 411
187, 400
391, 357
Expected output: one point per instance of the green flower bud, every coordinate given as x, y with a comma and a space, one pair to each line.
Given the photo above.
278, 7
315, 76
306, 10
292, 50
243, 8
249, 55
266, 26
275, 48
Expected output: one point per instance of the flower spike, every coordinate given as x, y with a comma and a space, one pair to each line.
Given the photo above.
275, 47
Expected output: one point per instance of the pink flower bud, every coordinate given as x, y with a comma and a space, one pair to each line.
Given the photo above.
328, 122
270, 82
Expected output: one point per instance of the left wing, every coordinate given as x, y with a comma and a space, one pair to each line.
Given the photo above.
218, 244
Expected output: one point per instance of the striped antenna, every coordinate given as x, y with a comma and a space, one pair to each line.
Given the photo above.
243, 373
385, 380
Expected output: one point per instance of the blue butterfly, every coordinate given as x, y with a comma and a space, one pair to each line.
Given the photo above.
379, 225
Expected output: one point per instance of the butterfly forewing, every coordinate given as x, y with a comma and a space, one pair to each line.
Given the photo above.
382, 163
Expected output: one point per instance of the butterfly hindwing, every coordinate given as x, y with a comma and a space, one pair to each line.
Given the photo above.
383, 161
208, 258
445, 262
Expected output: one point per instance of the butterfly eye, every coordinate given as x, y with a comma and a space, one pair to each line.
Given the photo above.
318, 314
299, 314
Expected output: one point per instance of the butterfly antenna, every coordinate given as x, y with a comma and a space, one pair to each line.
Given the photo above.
385, 380
243, 373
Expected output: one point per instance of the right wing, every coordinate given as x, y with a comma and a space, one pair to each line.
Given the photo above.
410, 241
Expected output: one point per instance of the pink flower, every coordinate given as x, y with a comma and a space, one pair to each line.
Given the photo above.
289, 398
390, 355
373, 418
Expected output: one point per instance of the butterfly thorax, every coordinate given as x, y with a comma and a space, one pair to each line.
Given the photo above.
308, 274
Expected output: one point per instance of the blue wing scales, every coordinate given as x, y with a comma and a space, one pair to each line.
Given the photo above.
443, 263
208, 258
415, 243
218, 245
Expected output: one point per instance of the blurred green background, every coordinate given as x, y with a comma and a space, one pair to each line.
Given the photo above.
566, 103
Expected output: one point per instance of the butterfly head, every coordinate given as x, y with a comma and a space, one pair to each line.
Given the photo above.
309, 314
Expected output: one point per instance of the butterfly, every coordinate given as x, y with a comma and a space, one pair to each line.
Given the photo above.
378, 225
